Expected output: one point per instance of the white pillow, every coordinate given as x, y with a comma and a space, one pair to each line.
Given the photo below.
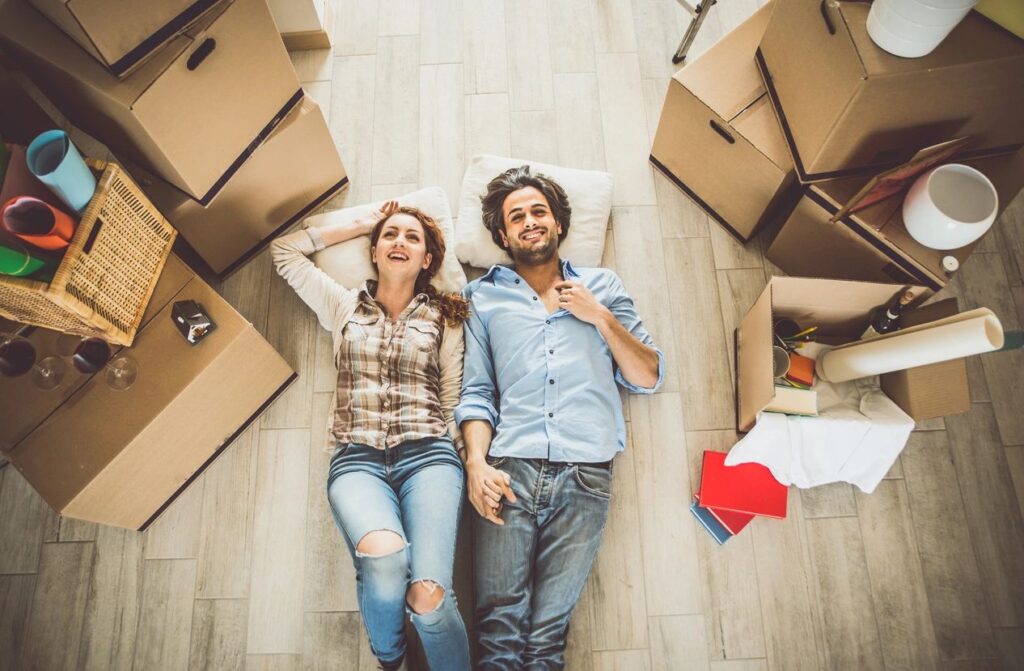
349, 262
590, 196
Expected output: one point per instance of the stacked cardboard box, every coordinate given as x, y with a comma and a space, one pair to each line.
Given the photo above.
839, 110
194, 116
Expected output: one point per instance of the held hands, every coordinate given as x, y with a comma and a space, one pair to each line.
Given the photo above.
487, 486
580, 302
367, 223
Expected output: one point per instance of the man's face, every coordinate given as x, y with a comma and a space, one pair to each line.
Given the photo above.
531, 232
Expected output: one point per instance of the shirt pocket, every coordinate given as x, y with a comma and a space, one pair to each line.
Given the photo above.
423, 335
360, 327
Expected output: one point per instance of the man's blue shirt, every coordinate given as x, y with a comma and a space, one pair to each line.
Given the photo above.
546, 382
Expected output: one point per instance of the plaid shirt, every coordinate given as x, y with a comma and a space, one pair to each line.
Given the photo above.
388, 374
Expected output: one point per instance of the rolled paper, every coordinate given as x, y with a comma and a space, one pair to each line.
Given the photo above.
974, 332
37, 223
17, 261
55, 161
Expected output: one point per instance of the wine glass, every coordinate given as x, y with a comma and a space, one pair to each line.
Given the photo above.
94, 354
18, 356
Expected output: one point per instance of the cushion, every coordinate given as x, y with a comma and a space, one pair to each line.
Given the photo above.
349, 262
590, 196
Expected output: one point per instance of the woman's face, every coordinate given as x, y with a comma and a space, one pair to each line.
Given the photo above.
401, 251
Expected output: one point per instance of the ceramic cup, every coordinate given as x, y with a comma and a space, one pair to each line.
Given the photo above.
780, 361
55, 161
950, 206
911, 29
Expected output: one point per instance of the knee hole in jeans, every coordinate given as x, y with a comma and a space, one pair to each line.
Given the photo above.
380, 543
424, 596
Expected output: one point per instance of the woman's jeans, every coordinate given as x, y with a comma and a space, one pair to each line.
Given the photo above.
416, 491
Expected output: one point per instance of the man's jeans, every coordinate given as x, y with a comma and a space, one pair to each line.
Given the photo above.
529, 572
415, 490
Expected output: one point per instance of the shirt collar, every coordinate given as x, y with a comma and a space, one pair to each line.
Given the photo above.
369, 290
567, 271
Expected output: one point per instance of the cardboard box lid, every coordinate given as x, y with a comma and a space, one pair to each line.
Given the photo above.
758, 124
724, 77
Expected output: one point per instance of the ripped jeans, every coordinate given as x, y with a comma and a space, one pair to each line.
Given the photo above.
416, 491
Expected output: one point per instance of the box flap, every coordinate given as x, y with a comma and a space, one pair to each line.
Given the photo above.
115, 32
759, 124
724, 77
838, 307
756, 384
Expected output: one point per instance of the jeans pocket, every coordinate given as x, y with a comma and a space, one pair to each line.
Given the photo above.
495, 462
594, 480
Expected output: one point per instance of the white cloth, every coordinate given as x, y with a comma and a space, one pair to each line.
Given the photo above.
856, 437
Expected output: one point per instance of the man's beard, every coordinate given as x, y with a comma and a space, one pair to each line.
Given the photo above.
535, 256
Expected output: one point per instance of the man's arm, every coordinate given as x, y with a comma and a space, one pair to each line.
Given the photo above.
637, 362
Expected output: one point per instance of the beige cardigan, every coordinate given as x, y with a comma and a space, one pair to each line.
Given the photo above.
334, 306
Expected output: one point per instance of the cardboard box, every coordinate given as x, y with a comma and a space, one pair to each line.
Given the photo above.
873, 244
21, 118
847, 106
120, 457
23, 406
718, 139
840, 309
293, 172
192, 113
120, 37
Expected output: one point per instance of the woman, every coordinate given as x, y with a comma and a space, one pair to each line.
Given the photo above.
396, 482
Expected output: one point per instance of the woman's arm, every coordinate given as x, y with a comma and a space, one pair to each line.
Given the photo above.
452, 348
343, 232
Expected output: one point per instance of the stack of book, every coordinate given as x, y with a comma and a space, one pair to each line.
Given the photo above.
730, 496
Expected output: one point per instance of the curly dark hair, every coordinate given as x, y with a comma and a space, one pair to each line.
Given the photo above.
514, 179
454, 307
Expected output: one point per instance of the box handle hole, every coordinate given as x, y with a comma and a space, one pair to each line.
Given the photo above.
717, 127
201, 52
93, 234
828, 19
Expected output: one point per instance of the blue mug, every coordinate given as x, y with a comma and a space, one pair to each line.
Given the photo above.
55, 161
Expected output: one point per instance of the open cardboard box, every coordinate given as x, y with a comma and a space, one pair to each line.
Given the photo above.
718, 139
840, 309
847, 106
192, 113
119, 39
873, 243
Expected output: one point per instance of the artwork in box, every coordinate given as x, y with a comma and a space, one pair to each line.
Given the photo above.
192, 321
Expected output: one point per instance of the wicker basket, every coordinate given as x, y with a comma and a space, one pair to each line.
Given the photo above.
108, 273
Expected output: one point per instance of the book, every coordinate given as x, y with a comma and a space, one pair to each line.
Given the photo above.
801, 369
793, 401
709, 522
745, 488
730, 519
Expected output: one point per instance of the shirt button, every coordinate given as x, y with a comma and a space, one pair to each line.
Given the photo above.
551, 381
517, 281
551, 351
534, 298
547, 321
551, 414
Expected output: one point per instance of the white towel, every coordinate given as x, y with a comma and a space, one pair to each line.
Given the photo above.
856, 437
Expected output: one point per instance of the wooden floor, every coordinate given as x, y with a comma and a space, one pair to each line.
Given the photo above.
246, 570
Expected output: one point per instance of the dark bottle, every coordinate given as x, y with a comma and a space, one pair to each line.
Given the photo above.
886, 318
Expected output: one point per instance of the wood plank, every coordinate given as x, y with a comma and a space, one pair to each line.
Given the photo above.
22, 524
933, 424
897, 583
952, 581
218, 634
738, 290
529, 60
325, 375
442, 131
355, 27
1015, 462
396, 110
671, 570
320, 93
578, 121
484, 54
681, 217
1011, 647
571, 33
353, 96
535, 136
15, 605
225, 536
53, 632
273, 662
833, 500
580, 640
330, 641
380, 193
441, 36
654, 101
165, 614
278, 556
330, 579
313, 65
614, 30
660, 27
1010, 230
487, 125
789, 601
175, 534
622, 660
112, 609
729, 589
398, 17
619, 610
625, 129
992, 511
72, 530
740, 665
639, 254
248, 288
702, 355
291, 331
731, 253
678, 641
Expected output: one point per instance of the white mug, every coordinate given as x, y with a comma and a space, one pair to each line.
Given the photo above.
950, 206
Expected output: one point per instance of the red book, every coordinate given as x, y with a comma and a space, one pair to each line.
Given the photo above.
731, 520
746, 488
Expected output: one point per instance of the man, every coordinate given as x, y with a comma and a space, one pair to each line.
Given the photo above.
542, 420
